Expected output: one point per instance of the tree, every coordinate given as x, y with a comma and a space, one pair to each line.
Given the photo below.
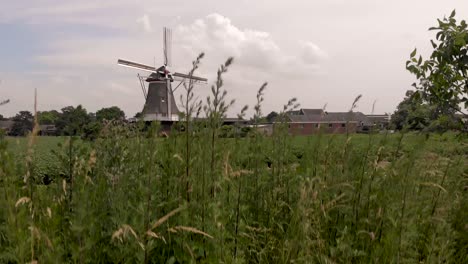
414, 113
271, 117
110, 113
23, 123
91, 130
138, 115
2, 117
443, 78
48, 117
72, 120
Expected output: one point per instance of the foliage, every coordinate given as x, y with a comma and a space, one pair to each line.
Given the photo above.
110, 113
227, 131
91, 130
414, 113
48, 117
411, 113
72, 120
443, 78
138, 115
23, 123
270, 118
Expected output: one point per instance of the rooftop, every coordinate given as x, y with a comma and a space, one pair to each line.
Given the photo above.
321, 116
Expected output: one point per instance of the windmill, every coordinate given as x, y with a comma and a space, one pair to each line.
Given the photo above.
159, 96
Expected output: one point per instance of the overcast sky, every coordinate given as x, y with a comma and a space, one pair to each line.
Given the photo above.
322, 52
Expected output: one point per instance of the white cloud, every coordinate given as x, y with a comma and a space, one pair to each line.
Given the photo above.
311, 53
252, 49
145, 23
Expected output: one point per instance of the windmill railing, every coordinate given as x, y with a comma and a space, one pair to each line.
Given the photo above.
160, 117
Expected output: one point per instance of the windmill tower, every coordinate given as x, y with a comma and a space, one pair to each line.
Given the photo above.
159, 96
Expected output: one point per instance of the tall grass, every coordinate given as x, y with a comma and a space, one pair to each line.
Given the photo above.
134, 197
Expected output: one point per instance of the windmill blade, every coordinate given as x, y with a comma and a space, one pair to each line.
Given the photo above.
167, 46
136, 65
186, 76
187, 80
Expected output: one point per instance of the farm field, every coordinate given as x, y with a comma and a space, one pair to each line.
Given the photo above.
128, 198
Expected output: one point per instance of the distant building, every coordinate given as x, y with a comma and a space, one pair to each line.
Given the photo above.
47, 130
6, 125
380, 121
312, 121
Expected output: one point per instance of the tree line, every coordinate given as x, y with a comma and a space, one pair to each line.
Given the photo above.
69, 121
416, 114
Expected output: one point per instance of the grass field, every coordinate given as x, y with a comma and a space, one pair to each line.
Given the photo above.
132, 198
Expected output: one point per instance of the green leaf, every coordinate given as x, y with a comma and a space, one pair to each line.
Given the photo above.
463, 24
441, 24
413, 53
453, 14
460, 40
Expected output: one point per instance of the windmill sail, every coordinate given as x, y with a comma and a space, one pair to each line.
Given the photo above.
136, 65
186, 76
167, 46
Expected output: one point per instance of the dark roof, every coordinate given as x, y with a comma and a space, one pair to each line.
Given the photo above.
319, 116
312, 111
6, 124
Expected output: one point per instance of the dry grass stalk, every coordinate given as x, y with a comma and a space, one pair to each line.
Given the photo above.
166, 217
22, 200
432, 184
333, 202
123, 232
188, 229
153, 234
92, 159
64, 186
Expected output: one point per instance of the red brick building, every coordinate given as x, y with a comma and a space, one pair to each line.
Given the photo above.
312, 121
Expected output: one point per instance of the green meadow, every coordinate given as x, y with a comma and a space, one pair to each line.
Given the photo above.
134, 197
